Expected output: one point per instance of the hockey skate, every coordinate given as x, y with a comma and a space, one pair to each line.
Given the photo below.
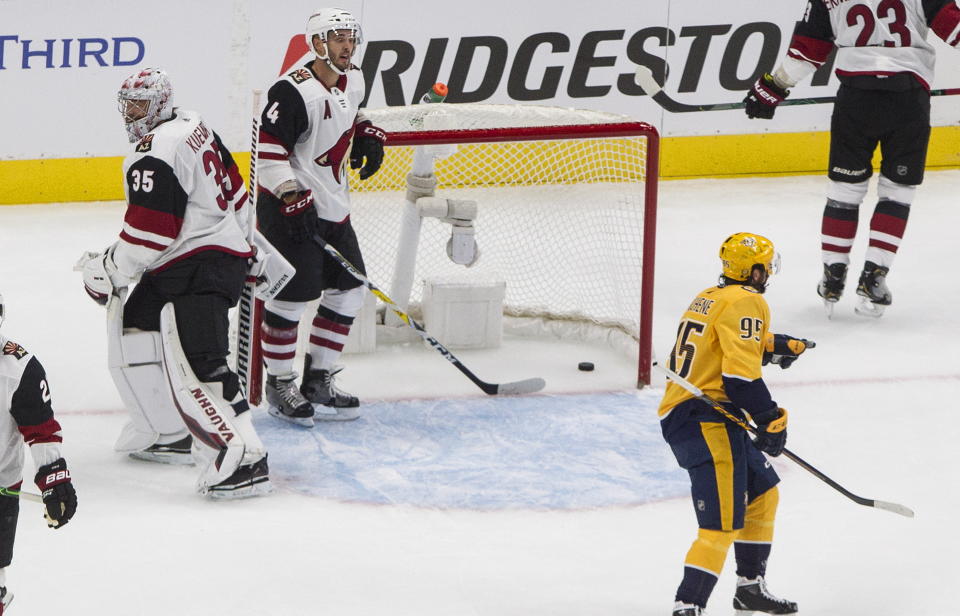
831, 285
752, 596
6, 598
329, 403
873, 291
177, 452
286, 402
248, 480
687, 609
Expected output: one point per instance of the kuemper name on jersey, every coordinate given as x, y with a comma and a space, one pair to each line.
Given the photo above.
701, 305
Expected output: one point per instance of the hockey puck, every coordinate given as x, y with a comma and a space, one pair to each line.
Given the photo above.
585, 366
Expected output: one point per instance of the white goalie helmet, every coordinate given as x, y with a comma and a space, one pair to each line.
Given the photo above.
145, 99
325, 20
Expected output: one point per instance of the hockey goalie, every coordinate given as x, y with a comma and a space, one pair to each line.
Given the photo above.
186, 240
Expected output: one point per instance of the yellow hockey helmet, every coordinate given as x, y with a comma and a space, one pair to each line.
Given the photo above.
741, 251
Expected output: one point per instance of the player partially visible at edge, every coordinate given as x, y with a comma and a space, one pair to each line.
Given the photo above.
310, 127
885, 66
722, 341
28, 418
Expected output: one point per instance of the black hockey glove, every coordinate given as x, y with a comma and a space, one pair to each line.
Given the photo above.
762, 99
59, 497
771, 431
367, 143
783, 350
299, 215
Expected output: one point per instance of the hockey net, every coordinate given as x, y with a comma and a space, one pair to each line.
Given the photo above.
566, 209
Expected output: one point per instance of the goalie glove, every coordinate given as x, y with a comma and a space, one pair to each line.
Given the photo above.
771, 431
762, 99
59, 497
783, 350
368, 143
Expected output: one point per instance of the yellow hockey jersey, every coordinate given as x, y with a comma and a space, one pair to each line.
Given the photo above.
721, 334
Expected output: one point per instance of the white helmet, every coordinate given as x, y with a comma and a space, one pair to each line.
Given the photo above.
325, 20
153, 86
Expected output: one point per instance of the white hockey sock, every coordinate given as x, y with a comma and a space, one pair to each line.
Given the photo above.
327, 338
279, 348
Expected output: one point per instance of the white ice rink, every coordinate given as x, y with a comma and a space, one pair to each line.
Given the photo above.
527, 518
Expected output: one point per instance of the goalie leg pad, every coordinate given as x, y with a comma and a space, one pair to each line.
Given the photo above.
222, 440
135, 360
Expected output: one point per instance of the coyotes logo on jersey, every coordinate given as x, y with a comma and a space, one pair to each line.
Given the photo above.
336, 157
12, 348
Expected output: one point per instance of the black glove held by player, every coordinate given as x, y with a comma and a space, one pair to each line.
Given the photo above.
783, 350
762, 99
771, 431
59, 497
299, 215
367, 143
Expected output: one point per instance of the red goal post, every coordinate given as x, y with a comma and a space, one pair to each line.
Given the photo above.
566, 211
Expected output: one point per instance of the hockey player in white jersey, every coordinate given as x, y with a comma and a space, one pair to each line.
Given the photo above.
184, 239
310, 126
885, 65
27, 417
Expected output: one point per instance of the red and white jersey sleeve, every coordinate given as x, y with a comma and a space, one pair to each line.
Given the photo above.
872, 37
184, 195
26, 415
306, 132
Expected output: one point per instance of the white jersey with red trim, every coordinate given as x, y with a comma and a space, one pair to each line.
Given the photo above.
184, 195
26, 415
875, 37
306, 132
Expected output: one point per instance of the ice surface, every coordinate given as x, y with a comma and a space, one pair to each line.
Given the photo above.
518, 505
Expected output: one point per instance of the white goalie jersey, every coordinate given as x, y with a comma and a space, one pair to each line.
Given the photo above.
184, 195
872, 37
306, 132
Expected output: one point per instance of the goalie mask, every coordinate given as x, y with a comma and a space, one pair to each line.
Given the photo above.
740, 252
323, 22
145, 99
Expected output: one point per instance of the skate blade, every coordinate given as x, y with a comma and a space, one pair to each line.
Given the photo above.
866, 308
828, 308
259, 488
306, 422
322, 412
176, 459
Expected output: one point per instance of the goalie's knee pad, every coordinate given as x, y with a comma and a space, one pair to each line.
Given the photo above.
135, 360
345, 303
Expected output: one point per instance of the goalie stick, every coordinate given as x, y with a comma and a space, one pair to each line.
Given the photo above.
645, 79
30, 496
526, 386
250, 309
867, 502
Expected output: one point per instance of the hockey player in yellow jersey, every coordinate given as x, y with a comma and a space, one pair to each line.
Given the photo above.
723, 340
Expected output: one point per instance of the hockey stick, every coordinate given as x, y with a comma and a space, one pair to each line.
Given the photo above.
526, 386
867, 502
30, 496
249, 367
645, 79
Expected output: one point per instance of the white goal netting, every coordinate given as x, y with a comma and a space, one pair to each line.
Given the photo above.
562, 199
